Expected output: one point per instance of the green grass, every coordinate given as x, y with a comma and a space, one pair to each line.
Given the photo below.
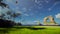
33, 30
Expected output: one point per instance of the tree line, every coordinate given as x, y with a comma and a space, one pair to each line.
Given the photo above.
6, 21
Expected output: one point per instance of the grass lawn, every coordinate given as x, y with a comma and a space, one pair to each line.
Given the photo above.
31, 30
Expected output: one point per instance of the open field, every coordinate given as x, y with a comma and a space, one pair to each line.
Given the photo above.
31, 30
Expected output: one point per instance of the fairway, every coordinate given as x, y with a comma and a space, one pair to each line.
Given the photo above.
32, 30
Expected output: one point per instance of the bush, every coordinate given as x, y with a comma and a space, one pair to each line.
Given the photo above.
6, 23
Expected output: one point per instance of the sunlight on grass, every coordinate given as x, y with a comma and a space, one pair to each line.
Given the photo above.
36, 30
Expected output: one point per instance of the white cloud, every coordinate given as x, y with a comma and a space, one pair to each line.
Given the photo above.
3, 10
56, 3
49, 9
9, 0
26, 14
0, 9
17, 8
58, 15
24, 9
35, 21
46, 1
36, 1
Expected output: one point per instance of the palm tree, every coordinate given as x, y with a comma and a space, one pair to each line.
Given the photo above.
3, 4
3, 21
8, 12
14, 15
2, 16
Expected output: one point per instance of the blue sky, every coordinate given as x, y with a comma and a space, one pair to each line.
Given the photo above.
35, 10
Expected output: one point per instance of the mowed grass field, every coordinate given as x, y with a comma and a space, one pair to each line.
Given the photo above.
31, 30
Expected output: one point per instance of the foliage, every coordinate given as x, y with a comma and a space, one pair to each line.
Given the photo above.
8, 15
28, 30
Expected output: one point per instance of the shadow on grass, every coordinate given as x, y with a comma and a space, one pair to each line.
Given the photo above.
36, 28
7, 30
19, 27
4, 30
31, 28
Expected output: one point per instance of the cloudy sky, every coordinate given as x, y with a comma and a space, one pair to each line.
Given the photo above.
35, 10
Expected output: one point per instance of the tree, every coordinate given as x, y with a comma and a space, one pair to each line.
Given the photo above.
5, 17
3, 21
14, 15
2, 16
18, 24
6, 23
3, 4
9, 12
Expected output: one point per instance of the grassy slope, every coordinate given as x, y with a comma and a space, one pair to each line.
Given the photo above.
38, 30
47, 30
